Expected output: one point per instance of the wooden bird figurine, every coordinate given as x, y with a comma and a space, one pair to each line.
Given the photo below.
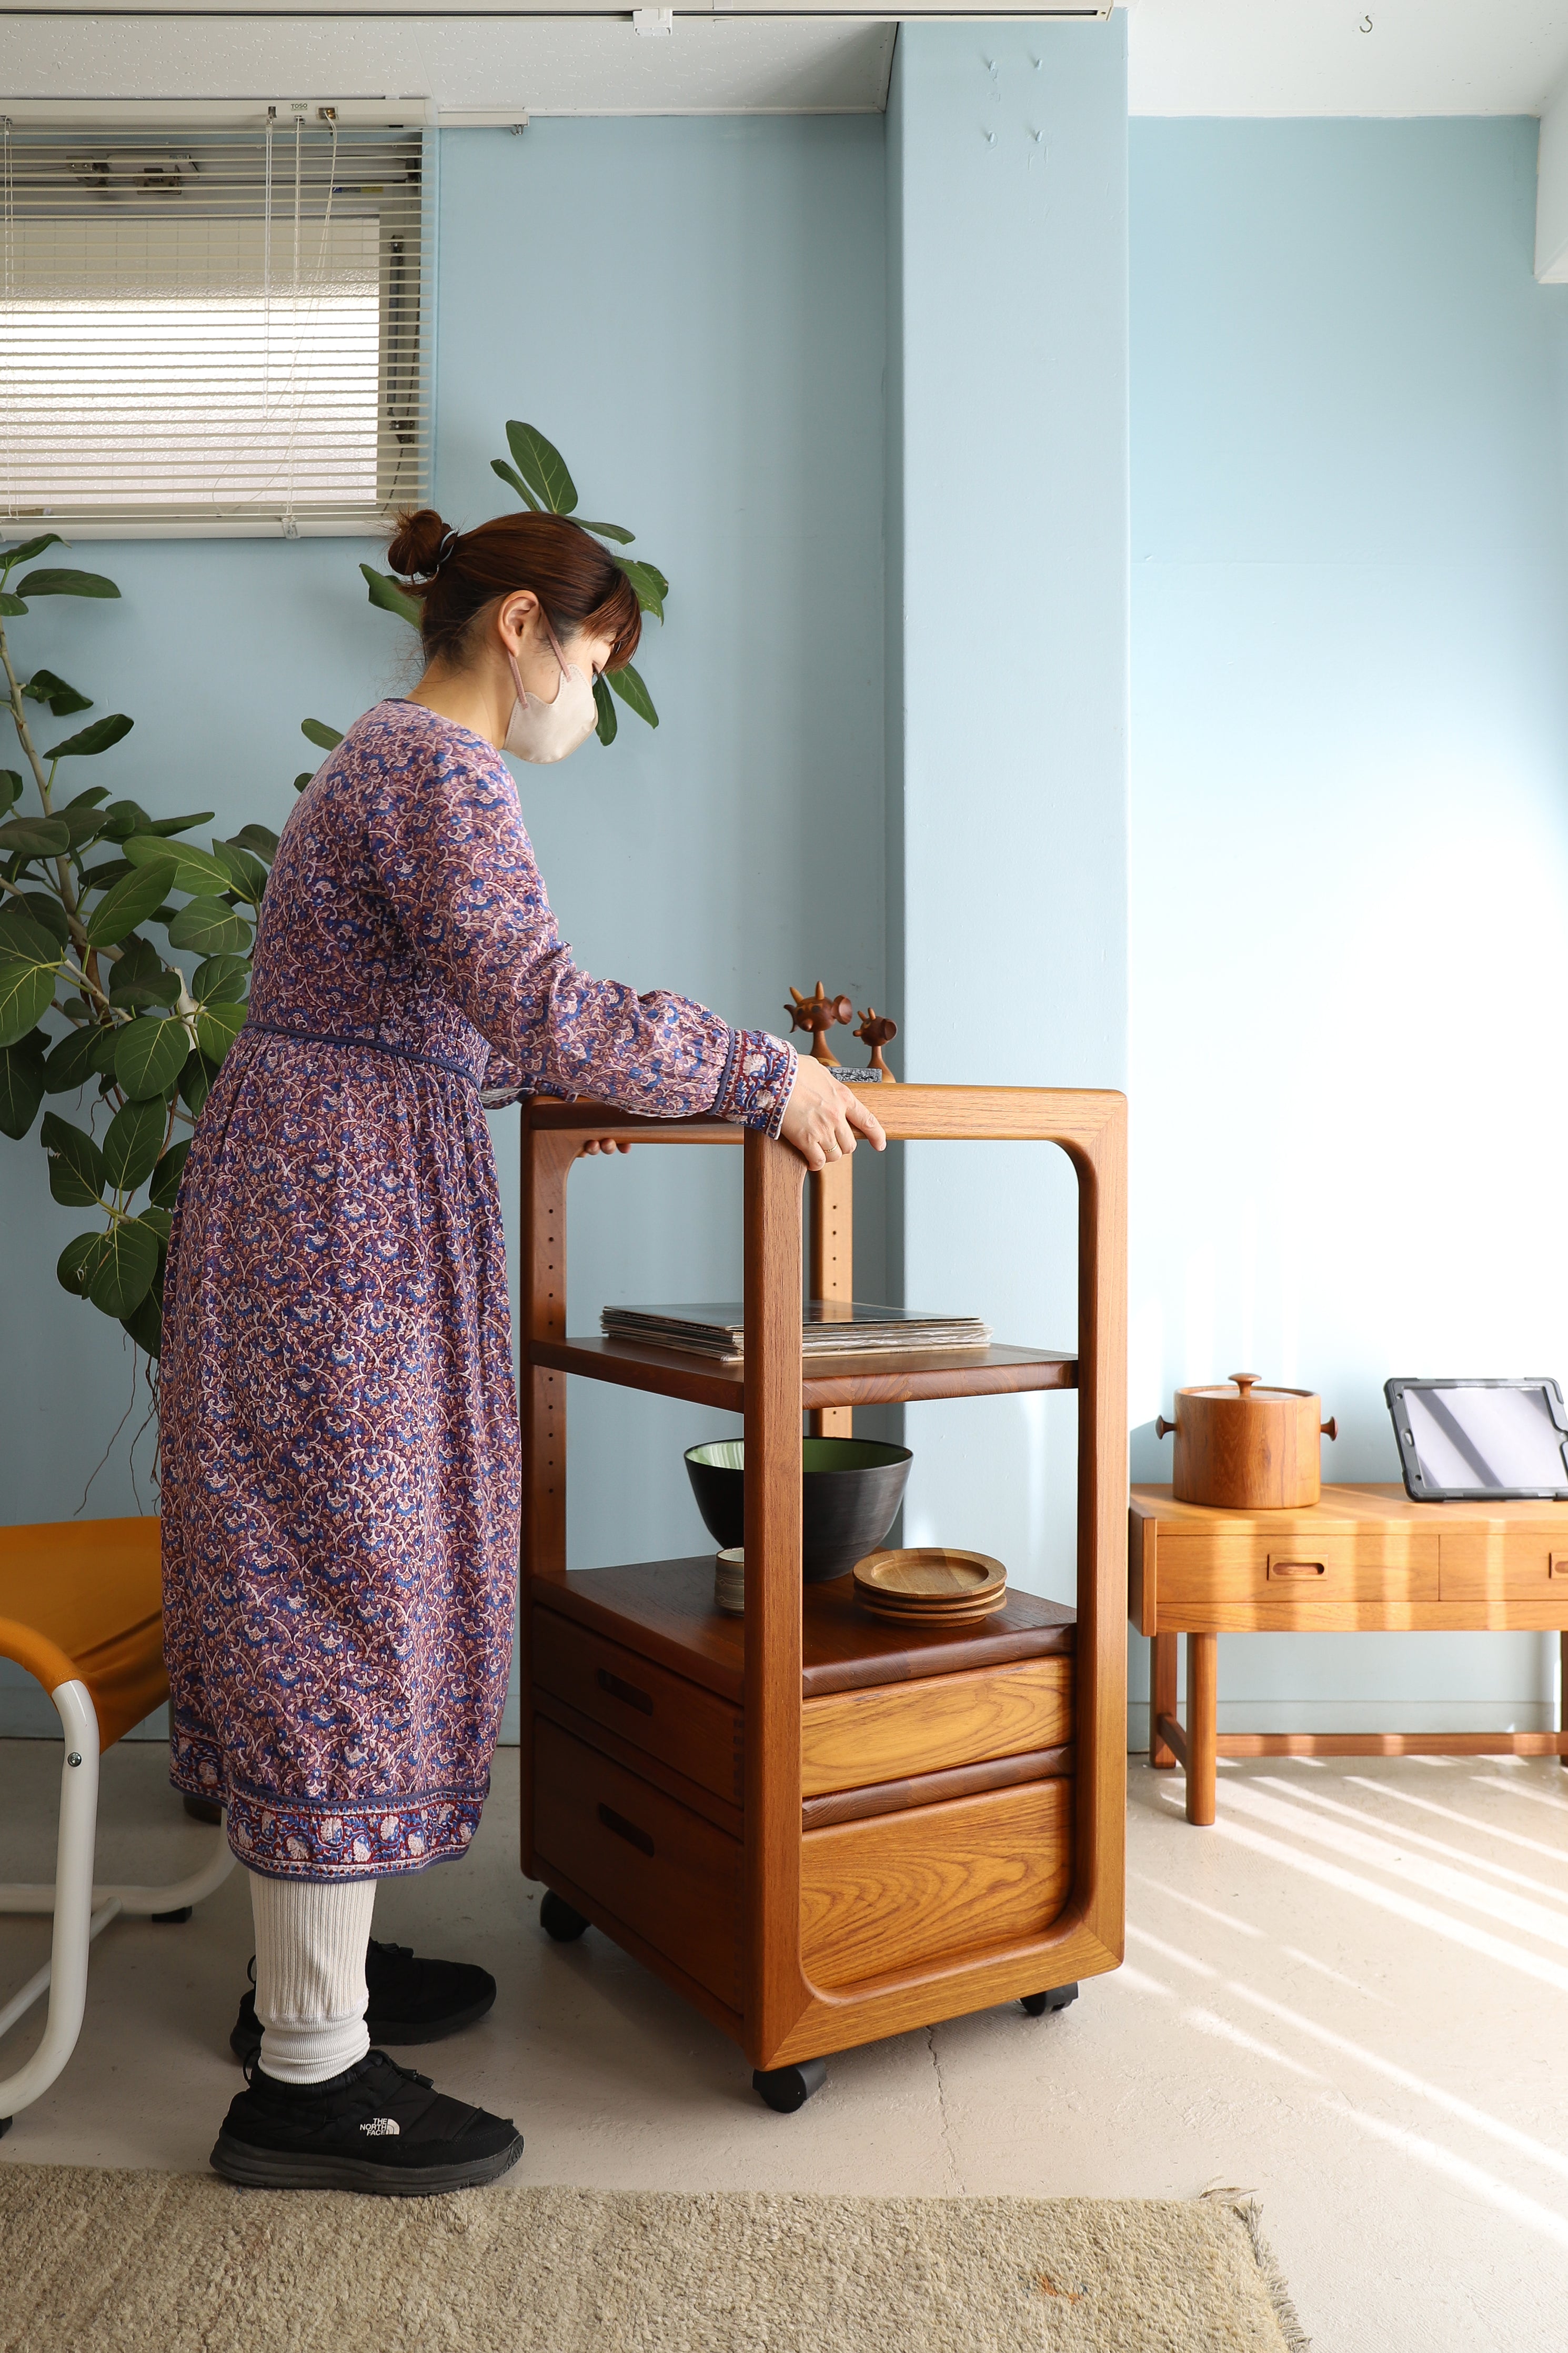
877, 1031
819, 1013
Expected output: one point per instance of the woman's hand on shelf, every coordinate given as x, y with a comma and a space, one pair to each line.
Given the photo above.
822, 1117
604, 1143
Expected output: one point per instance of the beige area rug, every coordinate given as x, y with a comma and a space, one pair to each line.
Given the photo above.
185, 2264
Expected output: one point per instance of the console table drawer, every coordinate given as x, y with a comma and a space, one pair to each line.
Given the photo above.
1510, 1564
672, 1877
851, 1739
679, 1723
1263, 1571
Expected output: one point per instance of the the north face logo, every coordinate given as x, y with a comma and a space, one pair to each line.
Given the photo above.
382, 2125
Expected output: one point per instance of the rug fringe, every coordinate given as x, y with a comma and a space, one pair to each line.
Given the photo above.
1246, 2207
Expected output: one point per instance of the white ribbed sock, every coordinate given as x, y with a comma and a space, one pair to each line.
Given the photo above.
311, 1991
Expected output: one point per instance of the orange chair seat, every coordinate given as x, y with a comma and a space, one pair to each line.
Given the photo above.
83, 1600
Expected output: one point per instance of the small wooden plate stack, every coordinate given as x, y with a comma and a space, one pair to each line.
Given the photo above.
930, 1586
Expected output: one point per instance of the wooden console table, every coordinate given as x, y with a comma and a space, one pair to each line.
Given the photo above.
1362, 1560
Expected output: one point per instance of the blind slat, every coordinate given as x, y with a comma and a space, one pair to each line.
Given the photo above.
210, 327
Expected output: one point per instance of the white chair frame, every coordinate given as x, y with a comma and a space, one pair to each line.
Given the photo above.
82, 1910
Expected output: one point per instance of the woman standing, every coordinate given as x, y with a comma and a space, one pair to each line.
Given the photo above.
341, 1484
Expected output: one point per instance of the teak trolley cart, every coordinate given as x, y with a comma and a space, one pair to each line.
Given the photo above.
825, 1830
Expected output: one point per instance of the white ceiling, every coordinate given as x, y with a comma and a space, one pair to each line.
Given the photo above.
1311, 57
1188, 57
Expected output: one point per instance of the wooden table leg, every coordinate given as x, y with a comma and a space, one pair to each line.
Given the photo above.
1563, 1691
1162, 1697
1203, 1715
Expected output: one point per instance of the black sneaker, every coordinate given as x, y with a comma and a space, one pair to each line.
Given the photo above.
377, 2128
410, 2001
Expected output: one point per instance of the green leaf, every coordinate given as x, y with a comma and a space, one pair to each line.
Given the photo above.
166, 1175
633, 693
26, 993
45, 686
259, 837
133, 898
316, 731
48, 914
28, 549
209, 927
606, 530
65, 583
10, 608
21, 934
194, 869
604, 704
84, 824
106, 874
89, 797
140, 976
76, 1164
196, 1082
10, 788
161, 1221
75, 1058
123, 819
123, 1274
21, 1083
35, 837
385, 593
541, 466
96, 738
146, 1325
136, 1133
218, 1027
148, 1055
514, 480
78, 1262
169, 826
247, 874
649, 583
216, 978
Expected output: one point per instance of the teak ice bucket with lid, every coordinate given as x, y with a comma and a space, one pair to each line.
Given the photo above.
1245, 1447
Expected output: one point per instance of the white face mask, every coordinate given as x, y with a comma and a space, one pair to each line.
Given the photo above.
543, 732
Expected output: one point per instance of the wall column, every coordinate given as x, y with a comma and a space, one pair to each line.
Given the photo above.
1007, 618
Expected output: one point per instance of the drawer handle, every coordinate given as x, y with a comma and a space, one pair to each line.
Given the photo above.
629, 1693
622, 1828
1296, 1568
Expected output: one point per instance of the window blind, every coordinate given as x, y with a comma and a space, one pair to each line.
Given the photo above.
219, 332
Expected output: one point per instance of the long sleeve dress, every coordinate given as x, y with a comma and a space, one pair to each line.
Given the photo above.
341, 1502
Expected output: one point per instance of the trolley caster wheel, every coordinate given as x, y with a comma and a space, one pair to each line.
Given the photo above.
202, 1809
4, 2126
557, 1919
1040, 2004
171, 1919
785, 2089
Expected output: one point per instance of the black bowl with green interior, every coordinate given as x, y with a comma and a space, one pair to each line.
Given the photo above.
850, 1491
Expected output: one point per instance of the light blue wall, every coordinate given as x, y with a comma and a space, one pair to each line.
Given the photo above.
1349, 874
1008, 668
694, 310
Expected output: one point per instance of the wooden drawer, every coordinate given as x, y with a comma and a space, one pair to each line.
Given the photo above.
905, 1889
1258, 1578
1506, 1563
692, 1729
896, 1730
669, 1875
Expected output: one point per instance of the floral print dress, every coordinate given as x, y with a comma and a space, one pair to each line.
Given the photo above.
341, 1502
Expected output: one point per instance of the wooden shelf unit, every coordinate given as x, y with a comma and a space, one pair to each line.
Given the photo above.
819, 1828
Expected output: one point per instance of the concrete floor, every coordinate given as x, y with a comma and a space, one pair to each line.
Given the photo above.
1349, 1998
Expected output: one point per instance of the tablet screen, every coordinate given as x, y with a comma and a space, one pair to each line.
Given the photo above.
1486, 1438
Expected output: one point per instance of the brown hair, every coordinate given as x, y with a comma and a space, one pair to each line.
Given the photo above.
455, 575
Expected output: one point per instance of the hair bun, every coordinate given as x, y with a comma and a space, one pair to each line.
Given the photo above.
418, 542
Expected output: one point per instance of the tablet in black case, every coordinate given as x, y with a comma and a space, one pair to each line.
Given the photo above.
1466, 1441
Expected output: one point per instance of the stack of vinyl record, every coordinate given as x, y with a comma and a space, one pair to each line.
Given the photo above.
729, 1581
931, 1586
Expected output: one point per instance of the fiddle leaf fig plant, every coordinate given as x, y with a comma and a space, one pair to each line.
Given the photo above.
91, 1007
543, 480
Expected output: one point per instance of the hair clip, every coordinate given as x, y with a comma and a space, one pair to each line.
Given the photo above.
447, 544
